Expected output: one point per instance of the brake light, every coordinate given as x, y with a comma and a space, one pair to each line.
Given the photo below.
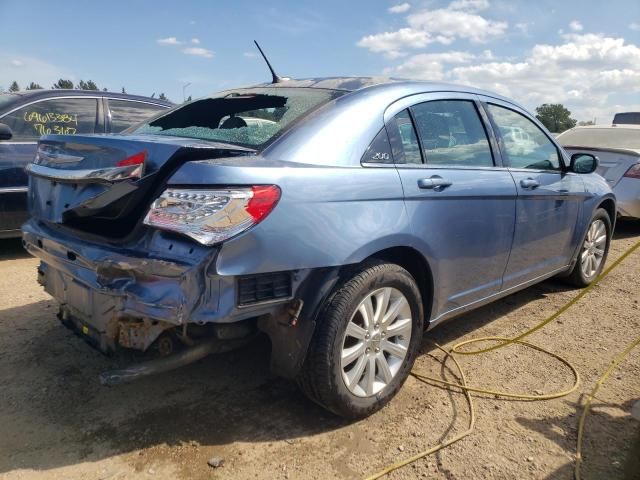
212, 216
633, 172
262, 202
136, 159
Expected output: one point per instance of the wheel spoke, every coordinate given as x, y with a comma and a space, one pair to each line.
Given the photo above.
356, 331
399, 327
366, 310
382, 302
394, 349
584, 255
599, 252
601, 240
351, 353
355, 374
383, 368
370, 375
394, 309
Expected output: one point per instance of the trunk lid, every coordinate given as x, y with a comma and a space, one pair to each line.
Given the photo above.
614, 162
103, 184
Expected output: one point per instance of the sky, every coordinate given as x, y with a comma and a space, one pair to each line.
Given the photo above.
584, 54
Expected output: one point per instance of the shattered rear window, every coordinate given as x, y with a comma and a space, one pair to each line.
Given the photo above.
251, 117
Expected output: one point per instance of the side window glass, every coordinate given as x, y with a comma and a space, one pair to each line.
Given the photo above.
125, 114
452, 133
524, 143
60, 116
404, 142
380, 150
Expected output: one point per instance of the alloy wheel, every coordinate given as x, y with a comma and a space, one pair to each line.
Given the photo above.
593, 248
376, 341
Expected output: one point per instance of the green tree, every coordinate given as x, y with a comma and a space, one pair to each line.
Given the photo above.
123, 90
14, 86
586, 123
162, 96
34, 86
62, 83
555, 117
189, 98
88, 85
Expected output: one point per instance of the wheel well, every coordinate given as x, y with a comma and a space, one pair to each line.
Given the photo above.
413, 262
610, 206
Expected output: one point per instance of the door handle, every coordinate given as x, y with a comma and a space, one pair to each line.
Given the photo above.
529, 183
435, 182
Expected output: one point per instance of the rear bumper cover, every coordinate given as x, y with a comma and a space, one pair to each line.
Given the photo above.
627, 192
98, 287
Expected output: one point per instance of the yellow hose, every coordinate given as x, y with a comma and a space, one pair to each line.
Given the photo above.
503, 342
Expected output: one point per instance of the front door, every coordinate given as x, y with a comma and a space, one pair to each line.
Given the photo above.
549, 197
461, 204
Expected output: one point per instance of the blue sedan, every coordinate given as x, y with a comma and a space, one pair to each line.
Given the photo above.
25, 116
342, 217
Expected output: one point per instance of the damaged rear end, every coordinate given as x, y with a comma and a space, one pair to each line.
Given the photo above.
120, 283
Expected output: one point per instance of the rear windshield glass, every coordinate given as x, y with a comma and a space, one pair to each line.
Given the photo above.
251, 117
614, 137
627, 117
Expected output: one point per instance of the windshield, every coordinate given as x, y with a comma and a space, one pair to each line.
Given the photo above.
251, 117
614, 137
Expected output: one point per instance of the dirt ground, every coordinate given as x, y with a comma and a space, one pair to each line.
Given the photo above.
57, 422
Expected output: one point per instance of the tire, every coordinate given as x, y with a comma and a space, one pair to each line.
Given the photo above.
324, 377
582, 275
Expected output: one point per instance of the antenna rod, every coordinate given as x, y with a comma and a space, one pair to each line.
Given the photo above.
274, 75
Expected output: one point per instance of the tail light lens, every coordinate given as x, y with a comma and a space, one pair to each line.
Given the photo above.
633, 172
212, 216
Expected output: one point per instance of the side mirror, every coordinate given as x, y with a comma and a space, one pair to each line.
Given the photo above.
583, 163
5, 132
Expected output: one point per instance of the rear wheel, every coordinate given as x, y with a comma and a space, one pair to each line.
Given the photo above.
366, 341
594, 250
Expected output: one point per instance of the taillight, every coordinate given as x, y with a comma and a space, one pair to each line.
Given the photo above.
137, 159
633, 172
212, 216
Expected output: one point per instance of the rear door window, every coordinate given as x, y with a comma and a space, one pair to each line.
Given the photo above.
125, 113
404, 142
60, 116
452, 133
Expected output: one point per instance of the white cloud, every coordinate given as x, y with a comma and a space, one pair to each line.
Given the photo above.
400, 8
635, 26
469, 5
169, 41
250, 54
195, 41
198, 51
583, 72
17, 63
523, 27
576, 26
392, 44
444, 26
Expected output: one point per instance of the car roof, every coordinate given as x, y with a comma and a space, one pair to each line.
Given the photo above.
615, 126
56, 92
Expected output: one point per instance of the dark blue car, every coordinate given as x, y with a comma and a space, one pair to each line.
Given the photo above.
25, 116
341, 216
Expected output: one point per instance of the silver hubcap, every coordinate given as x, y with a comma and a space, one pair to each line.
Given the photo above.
593, 248
376, 341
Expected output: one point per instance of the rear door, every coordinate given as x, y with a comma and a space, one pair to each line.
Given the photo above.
549, 197
121, 114
59, 115
460, 199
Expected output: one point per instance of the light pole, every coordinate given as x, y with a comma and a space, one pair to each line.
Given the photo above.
184, 88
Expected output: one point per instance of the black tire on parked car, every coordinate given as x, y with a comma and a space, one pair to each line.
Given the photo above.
593, 247
366, 340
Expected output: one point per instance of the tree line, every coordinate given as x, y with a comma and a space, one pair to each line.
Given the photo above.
68, 84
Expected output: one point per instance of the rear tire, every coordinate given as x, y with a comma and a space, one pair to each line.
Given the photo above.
593, 251
366, 341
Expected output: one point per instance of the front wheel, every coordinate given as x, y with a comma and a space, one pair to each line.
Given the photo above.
366, 341
593, 252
